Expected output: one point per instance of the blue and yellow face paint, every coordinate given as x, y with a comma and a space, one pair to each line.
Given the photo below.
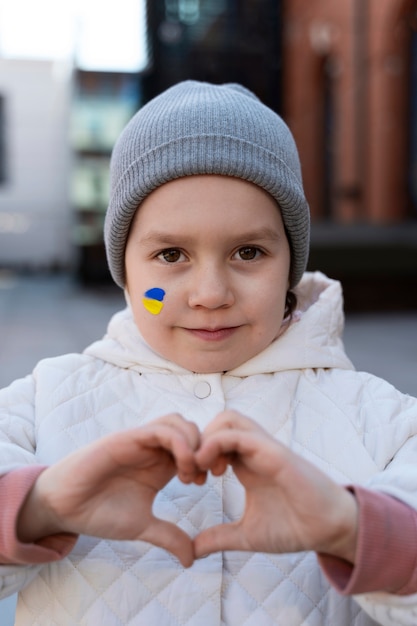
153, 300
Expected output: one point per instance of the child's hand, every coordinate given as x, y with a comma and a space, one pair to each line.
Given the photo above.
291, 506
107, 488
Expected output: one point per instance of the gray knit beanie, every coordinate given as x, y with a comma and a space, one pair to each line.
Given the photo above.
200, 128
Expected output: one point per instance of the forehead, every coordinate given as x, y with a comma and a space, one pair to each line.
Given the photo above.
206, 196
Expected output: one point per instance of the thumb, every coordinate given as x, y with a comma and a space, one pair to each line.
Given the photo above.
170, 537
219, 538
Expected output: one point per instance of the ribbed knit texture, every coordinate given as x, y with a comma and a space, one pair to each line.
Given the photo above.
200, 128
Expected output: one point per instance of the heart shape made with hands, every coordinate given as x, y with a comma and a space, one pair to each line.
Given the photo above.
314, 513
123, 472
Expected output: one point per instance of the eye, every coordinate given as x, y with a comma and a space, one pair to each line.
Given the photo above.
248, 253
171, 255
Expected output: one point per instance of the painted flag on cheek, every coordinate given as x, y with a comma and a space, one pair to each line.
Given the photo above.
153, 300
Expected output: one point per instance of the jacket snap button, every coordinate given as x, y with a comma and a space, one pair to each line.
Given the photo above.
202, 389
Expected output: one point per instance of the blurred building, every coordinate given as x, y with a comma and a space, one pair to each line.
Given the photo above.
65, 95
348, 89
218, 41
349, 95
343, 75
102, 104
35, 158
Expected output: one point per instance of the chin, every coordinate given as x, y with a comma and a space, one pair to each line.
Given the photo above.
217, 367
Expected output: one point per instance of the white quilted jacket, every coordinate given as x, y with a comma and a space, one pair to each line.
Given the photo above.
302, 388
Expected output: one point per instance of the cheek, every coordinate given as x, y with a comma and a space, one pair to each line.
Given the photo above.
269, 295
271, 308
153, 300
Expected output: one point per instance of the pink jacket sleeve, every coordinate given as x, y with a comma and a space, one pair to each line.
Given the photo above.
386, 554
14, 488
386, 558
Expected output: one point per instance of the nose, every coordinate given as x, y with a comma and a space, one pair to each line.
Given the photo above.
211, 288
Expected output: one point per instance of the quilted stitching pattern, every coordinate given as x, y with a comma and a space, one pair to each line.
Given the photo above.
75, 399
138, 583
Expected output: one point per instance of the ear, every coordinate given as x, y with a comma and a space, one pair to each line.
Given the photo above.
290, 303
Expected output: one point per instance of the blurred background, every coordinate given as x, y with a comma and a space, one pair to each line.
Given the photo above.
342, 74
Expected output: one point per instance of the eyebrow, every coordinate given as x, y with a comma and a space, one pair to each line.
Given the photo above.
167, 238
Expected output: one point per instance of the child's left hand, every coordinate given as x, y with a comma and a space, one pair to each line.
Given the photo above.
291, 505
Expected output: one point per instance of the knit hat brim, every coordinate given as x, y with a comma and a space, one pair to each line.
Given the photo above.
156, 149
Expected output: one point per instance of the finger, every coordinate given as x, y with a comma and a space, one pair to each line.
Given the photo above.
197, 476
219, 464
229, 446
179, 442
179, 445
231, 420
121, 449
167, 437
219, 538
189, 429
170, 537
200, 478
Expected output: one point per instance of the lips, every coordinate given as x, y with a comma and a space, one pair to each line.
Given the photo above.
213, 334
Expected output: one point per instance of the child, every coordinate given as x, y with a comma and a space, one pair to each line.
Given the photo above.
215, 458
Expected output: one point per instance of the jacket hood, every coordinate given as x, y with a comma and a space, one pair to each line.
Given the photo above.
312, 340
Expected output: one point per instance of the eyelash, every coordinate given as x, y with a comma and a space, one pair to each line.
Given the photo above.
258, 252
164, 253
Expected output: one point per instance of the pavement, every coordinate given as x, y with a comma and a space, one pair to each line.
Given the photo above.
44, 315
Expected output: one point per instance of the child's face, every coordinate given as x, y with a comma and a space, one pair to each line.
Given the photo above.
217, 247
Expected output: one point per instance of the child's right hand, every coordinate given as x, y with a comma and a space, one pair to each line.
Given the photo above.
107, 488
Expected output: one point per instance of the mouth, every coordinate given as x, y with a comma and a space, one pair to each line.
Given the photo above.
213, 334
